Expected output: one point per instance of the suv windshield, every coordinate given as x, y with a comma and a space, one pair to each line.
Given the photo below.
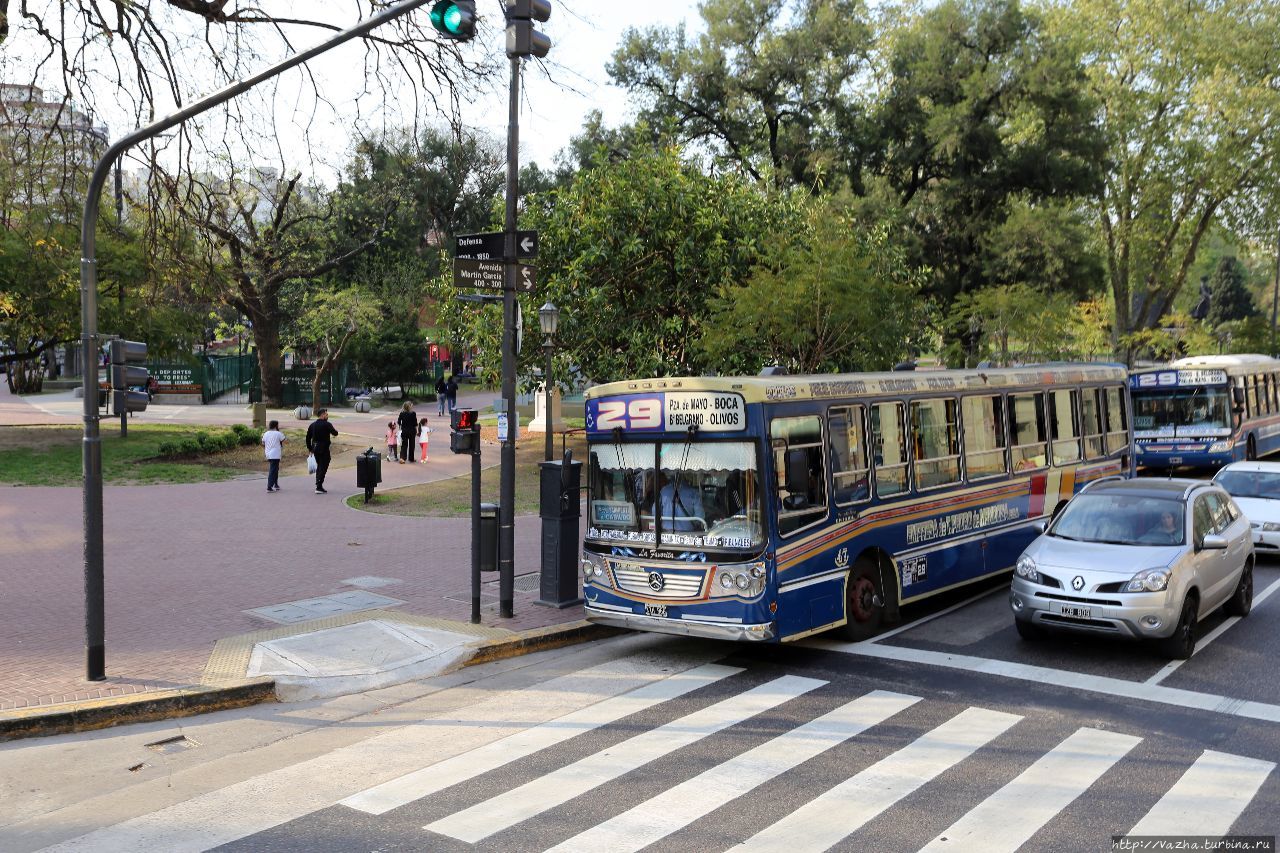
1250, 484
1121, 520
686, 494
1188, 412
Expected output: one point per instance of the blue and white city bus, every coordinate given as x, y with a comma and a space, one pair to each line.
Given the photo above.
772, 508
1206, 411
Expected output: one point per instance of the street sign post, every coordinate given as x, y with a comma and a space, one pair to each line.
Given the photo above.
488, 246
488, 275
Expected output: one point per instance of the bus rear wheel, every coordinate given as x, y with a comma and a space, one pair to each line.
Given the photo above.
863, 602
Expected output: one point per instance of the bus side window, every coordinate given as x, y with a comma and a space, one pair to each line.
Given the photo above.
889, 443
936, 440
984, 436
1117, 426
798, 468
848, 448
1030, 437
1066, 439
1091, 406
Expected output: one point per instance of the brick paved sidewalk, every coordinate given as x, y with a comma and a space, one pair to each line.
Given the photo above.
184, 563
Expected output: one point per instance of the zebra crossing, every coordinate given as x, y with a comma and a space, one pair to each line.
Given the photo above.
742, 758
1206, 800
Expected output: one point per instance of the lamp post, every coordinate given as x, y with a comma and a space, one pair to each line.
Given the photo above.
549, 319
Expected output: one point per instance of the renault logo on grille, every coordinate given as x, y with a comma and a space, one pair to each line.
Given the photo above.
656, 583
1077, 583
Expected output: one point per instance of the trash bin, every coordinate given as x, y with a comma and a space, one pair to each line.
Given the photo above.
368, 472
303, 413
560, 509
362, 404
260, 415
488, 537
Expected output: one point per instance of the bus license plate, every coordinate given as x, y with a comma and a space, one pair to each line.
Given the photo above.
655, 610
1175, 460
1076, 612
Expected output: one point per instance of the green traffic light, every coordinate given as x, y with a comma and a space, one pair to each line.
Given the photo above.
454, 19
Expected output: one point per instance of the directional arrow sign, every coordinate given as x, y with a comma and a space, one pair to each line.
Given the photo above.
489, 275
488, 246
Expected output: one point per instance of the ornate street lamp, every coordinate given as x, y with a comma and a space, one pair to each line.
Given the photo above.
549, 319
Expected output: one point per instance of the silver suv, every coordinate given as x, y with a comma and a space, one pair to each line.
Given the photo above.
1146, 559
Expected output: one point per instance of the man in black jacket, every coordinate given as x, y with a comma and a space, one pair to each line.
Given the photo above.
408, 421
319, 437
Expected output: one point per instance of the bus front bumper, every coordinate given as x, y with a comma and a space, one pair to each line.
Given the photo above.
685, 627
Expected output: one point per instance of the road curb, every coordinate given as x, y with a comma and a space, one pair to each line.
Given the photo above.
93, 714
541, 639
48, 720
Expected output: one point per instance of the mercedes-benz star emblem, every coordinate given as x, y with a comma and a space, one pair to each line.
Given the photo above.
656, 583
1077, 583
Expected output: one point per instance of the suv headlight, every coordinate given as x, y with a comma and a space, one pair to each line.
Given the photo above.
1148, 580
1270, 526
1026, 569
1221, 447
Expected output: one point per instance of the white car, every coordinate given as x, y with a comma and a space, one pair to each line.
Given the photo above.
1256, 489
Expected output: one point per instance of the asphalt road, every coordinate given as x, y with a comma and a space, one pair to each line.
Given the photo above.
951, 734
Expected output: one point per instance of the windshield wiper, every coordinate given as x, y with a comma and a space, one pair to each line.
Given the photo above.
1062, 536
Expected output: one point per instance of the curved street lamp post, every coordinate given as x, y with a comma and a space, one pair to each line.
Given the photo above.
549, 319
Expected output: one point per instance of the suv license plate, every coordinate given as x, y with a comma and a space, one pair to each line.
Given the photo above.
655, 610
1076, 612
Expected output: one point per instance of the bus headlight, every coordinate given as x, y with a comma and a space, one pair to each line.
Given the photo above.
592, 568
742, 582
726, 580
1221, 447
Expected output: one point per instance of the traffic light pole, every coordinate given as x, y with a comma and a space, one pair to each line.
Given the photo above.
507, 488
475, 528
94, 617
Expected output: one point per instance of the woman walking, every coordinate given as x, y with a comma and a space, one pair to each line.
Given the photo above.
408, 423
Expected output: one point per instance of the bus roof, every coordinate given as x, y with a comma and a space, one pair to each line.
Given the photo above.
756, 389
1244, 361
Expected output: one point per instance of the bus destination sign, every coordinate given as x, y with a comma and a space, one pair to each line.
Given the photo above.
1177, 379
668, 411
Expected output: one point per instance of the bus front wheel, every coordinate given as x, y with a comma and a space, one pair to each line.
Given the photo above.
863, 602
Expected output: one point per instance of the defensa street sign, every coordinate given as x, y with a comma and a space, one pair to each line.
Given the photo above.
489, 274
488, 246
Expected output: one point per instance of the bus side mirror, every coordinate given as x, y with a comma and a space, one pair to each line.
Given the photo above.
797, 473
1237, 399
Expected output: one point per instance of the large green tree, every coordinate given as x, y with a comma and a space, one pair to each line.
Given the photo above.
762, 88
983, 133
1229, 294
1187, 90
633, 251
833, 297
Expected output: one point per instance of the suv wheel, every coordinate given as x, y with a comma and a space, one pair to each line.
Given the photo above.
1182, 643
1241, 601
1028, 630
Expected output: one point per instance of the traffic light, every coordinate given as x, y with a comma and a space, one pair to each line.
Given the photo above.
522, 38
454, 19
124, 375
466, 431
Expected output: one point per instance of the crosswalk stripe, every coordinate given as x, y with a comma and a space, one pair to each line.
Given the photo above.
428, 780
1010, 816
553, 789
1208, 798
839, 812
680, 806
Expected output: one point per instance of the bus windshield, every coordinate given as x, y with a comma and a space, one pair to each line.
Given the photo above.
702, 495
1184, 412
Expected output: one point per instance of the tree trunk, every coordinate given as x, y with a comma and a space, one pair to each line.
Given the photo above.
25, 377
321, 370
270, 363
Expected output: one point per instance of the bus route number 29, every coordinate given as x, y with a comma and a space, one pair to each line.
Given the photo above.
639, 413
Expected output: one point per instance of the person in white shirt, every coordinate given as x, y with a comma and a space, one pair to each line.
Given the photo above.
273, 440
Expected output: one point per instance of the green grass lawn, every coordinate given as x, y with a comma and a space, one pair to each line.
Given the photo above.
52, 456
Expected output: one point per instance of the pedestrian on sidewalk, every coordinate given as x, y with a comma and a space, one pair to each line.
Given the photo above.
408, 423
451, 390
423, 429
273, 441
442, 396
319, 438
391, 441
